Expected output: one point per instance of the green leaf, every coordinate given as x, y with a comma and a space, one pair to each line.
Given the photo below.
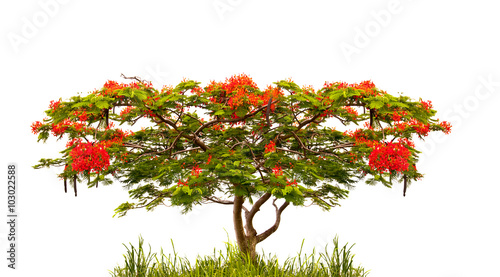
297, 190
336, 95
313, 100
177, 190
159, 176
187, 190
219, 112
376, 104
260, 188
102, 104
140, 94
236, 163
241, 112
81, 104
317, 176
398, 104
173, 97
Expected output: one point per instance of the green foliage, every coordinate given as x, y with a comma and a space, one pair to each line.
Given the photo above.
139, 263
231, 138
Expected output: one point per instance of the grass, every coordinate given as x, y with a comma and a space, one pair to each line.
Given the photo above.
338, 263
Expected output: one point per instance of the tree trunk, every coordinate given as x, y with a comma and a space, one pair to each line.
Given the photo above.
246, 235
246, 243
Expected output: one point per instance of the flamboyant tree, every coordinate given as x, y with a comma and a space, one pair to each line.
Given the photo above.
235, 144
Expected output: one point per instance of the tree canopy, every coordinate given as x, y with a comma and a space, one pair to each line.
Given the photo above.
232, 138
189, 145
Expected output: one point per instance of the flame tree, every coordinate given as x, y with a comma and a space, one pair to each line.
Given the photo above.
232, 143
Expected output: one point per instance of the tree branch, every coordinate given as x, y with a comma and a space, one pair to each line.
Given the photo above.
217, 200
128, 144
291, 151
268, 109
185, 150
255, 208
315, 152
210, 123
273, 228
133, 78
238, 223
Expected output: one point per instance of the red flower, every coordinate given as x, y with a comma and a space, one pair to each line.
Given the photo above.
82, 116
271, 147
396, 116
35, 126
196, 171
367, 88
389, 157
277, 171
89, 157
290, 183
181, 183
351, 110
61, 127
447, 126
427, 105
111, 88
54, 105
418, 126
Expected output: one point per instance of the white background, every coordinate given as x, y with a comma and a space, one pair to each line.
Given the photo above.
446, 226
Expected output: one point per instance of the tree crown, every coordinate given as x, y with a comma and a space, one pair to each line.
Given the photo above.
190, 144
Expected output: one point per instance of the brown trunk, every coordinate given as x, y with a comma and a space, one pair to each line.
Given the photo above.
246, 235
246, 243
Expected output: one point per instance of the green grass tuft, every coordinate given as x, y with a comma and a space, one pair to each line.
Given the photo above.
138, 263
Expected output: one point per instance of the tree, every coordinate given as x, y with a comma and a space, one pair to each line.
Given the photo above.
232, 143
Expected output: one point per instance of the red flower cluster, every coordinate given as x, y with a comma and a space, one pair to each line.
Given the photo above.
91, 157
54, 105
61, 127
117, 137
219, 127
236, 83
367, 87
292, 183
270, 147
277, 171
166, 89
236, 88
126, 111
447, 126
405, 141
81, 115
396, 116
354, 157
111, 88
351, 110
360, 137
427, 105
419, 127
389, 157
270, 92
308, 89
198, 91
35, 127
196, 171
149, 113
181, 183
